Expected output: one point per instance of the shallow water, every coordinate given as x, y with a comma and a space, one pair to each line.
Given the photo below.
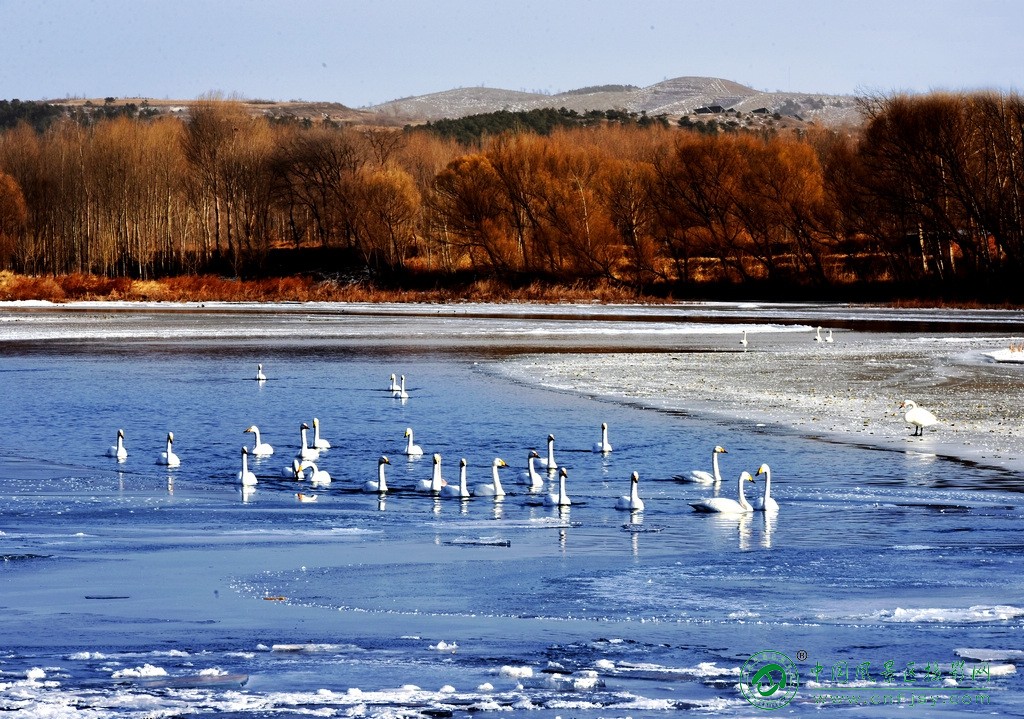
137, 591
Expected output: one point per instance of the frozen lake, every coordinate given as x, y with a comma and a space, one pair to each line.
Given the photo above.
890, 577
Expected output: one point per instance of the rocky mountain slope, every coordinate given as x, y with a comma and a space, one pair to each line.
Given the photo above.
675, 97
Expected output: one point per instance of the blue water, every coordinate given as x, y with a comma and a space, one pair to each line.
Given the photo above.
130, 589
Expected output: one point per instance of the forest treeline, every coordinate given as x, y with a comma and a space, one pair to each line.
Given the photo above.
927, 190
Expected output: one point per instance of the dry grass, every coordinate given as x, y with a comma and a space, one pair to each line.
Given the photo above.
209, 288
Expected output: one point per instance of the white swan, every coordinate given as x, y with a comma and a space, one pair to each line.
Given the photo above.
412, 450
379, 486
260, 448
317, 475
632, 500
744, 340
918, 416
532, 476
318, 441
306, 453
559, 498
294, 471
118, 450
168, 457
550, 461
817, 335
393, 387
829, 337
400, 390
247, 477
492, 488
766, 503
460, 492
740, 505
305, 497
435, 482
603, 447
260, 377
714, 477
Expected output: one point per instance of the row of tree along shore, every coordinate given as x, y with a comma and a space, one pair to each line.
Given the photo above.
926, 196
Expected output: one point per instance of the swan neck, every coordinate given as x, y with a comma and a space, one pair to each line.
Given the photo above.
740, 496
435, 478
561, 489
462, 481
551, 453
381, 484
767, 484
634, 492
497, 482
714, 465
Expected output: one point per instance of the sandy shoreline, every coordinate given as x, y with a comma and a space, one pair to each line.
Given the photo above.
849, 391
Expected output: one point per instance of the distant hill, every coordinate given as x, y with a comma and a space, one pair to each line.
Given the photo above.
677, 97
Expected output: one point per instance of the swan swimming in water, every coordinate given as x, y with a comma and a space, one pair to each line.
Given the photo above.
460, 492
632, 500
247, 477
168, 457
714, 476
317, 475
740, 505
118, 450
918, 416
550, 461
260, 377
393, 387
305, 497
603, 447
743, 341
829, 337
766, 503
260, 448
435, 482
379, 486
559, 498
817, 335
412, 450
493, 488
306, 453
532, 476
318, 441
294, 471
399, 391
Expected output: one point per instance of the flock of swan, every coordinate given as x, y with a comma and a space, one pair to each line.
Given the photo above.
305, 461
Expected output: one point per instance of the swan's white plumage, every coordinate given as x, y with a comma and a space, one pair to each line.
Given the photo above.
118, 451
248, 478
380, 485
743, 341
603, 447
411, 449
435, 483
532, 477
306, 452
829, 337
817, 335
260, 377
549, 461
918, 416
260, 448
559, 498
393, 387
632, 500
400, 390
766, 503
740, 505
318, 441
294, 471
714, 476
168, 457
317, 475
305, 497
493, 488
460, 492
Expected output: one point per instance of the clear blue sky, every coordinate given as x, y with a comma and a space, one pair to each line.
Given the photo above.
368, 51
